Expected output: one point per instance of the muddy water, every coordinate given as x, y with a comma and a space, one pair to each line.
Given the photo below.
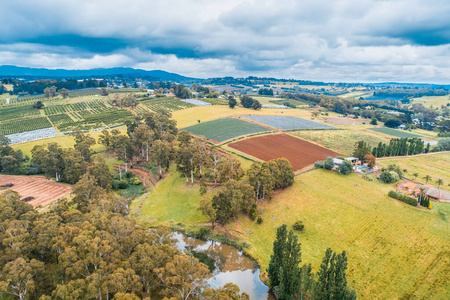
227, 264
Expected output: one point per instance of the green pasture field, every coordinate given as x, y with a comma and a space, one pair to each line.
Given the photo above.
435, 101
395, 132
394, 250
291, 101
341, 141
224, 129
437, 165
357, 94
263, 99
214, 101
171, 199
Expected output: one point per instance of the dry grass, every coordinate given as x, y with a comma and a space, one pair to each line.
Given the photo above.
342, 141
435, 101
394, 250
437, 165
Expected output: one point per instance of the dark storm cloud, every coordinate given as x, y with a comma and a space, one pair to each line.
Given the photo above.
402, 40
91, 44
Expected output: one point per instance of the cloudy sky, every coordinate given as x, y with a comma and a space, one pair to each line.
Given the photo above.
329, 40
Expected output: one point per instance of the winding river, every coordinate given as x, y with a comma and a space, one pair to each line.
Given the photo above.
227, 264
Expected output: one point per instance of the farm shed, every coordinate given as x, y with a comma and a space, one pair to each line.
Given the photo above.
352, 159
438, 195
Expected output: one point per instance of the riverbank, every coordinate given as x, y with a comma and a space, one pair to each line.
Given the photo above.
387, 242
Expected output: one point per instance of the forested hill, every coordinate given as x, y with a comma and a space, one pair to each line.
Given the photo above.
12, 71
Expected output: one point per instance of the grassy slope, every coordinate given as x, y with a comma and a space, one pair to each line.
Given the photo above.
436, 165
394, 249
395, 132
171, 199
435, 101
342, 141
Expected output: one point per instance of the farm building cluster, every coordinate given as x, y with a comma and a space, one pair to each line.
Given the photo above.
413, 188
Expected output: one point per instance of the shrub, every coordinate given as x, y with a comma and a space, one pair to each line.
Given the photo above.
123, 184
136, 181
346, 167
299, 226
202, 232
318, 164
403, 198
328, 164
253, 212
389, 176
443, 145
29, 198
260, 220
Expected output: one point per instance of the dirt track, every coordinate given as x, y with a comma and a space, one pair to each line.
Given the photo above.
299, 152
44, 191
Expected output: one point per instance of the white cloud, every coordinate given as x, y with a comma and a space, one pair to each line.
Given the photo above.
357, 40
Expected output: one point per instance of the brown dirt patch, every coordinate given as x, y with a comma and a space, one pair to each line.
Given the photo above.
299, 152
43, 190
341, 121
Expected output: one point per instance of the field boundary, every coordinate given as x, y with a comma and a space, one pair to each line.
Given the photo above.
412, 156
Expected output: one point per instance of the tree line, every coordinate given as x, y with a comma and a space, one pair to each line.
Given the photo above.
38, 86
410, 92
290, 281
396, 147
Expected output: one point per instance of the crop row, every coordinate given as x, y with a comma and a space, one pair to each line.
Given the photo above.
62, 121
107, 117
170, 104
21, 125
96, 106
14, 112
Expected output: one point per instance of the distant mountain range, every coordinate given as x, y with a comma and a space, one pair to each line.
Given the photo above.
8, 70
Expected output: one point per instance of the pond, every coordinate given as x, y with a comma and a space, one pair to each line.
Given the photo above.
227, 264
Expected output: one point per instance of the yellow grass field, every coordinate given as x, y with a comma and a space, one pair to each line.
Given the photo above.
435, 101
342, 141
437, 165
394, 250
8, 87
357, 94
171, 199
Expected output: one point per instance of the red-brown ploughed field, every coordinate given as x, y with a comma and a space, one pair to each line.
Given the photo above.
266, 147
44, 191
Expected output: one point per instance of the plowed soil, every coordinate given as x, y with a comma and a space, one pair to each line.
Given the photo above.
43, 190
299, 152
